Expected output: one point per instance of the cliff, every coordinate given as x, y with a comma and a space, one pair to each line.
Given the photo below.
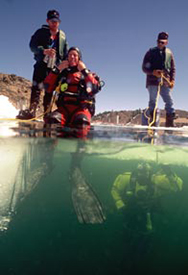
18, 90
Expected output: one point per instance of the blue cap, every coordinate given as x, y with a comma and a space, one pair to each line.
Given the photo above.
53, 15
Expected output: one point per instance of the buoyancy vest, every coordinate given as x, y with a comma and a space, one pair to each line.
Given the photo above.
161, 59
138, 190
168, 58
69, 84
62, 44
72, 88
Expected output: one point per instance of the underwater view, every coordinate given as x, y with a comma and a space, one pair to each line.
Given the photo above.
114, 203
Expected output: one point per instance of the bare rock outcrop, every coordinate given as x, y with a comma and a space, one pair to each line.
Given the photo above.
18, 90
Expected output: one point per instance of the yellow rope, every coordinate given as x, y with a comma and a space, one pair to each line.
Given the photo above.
166, 79
156, 103
150, 131
57, 90
41, 115
157, 98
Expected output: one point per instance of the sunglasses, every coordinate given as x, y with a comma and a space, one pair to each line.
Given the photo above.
161, 42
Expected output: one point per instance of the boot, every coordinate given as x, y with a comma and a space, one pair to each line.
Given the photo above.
170, 120
28, 113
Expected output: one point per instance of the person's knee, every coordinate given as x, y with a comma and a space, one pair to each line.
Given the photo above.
81, 120
53, 118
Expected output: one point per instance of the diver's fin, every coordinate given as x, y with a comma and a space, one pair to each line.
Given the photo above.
86, 203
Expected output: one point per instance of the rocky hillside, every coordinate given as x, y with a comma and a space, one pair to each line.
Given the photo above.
118, 117
135, 117
18, 90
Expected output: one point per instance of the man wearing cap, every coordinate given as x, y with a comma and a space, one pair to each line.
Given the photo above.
50, 47
159, 62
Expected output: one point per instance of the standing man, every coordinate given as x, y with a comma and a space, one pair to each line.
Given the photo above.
50, 47
159, 62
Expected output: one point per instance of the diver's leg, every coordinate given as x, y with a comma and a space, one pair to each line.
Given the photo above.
81, 120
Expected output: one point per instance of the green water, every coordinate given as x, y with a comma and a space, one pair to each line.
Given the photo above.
44, 235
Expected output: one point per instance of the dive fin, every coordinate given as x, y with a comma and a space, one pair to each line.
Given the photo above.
86, 203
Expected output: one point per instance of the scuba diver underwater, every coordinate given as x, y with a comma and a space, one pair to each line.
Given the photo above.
138, 195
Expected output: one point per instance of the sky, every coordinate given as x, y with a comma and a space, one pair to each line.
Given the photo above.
113, 37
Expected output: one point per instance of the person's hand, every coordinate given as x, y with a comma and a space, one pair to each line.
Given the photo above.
171, 85
157, 73
63, 65
81, 66
50, 52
